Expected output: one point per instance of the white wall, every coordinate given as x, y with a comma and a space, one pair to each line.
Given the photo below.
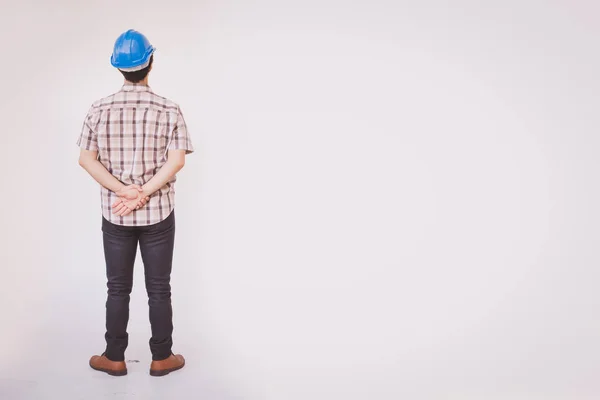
388, 199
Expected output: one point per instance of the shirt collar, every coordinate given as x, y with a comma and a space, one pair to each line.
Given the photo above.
136, 87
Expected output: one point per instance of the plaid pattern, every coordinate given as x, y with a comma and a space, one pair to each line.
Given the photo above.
132, 130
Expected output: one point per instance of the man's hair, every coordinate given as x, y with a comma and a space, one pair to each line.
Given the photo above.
137, 76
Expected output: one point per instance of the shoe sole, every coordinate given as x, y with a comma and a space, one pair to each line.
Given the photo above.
110, 371
163, 372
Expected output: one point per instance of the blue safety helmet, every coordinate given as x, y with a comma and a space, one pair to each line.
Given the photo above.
132, 52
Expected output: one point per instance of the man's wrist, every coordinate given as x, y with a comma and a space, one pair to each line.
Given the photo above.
119, 187
146, 192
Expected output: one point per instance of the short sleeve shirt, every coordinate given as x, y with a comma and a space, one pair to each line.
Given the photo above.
132, 131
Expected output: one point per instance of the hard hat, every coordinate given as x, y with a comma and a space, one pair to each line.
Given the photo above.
132, 52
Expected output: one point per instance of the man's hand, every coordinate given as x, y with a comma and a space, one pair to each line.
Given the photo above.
130, 198
129, 192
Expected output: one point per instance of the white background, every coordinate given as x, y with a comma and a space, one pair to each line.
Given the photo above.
389, 200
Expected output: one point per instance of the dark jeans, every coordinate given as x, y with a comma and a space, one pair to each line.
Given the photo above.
120, 248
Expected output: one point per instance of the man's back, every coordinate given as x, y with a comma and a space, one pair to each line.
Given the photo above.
133, 130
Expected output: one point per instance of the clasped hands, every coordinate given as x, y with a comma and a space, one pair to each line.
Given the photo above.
130, 198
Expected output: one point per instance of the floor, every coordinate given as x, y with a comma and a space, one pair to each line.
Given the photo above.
50, 372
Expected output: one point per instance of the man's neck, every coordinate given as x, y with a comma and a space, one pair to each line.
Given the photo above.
140, 83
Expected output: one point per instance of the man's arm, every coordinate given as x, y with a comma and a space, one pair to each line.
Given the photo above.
89, 161
174, 164
180, 144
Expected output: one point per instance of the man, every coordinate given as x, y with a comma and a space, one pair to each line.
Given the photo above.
133, 143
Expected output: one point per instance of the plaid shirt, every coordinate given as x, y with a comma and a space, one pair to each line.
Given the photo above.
132, 130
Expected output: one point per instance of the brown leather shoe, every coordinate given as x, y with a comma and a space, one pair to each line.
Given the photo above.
165, 367
103, 364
